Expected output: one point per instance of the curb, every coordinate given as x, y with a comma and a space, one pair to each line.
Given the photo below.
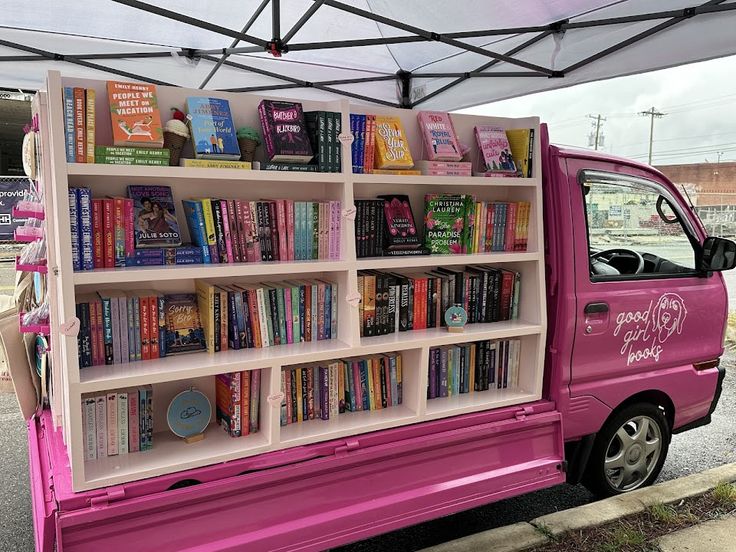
525, 535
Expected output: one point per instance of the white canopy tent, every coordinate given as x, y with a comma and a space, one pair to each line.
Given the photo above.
409, 53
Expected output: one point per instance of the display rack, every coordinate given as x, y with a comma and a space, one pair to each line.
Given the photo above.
173, 374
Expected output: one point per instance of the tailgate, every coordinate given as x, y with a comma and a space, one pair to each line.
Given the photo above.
366, 486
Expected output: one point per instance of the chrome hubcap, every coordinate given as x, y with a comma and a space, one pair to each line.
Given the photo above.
633, 453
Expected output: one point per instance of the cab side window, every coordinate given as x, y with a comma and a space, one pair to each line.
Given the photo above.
635, 228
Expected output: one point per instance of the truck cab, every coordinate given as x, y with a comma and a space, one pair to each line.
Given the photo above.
636, 312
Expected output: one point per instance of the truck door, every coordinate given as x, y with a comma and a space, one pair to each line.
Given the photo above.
642, 308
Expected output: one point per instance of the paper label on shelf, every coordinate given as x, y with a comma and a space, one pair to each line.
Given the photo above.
353, 298
349, 213
346, 138
70, 328
275, 399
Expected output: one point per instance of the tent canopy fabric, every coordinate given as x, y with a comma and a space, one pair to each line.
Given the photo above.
409, 53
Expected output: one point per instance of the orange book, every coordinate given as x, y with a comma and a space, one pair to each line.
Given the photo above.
391, 146
136, 120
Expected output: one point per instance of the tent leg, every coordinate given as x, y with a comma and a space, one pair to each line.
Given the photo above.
405, 82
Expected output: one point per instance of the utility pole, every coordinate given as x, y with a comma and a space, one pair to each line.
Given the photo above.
652, 113
595, 139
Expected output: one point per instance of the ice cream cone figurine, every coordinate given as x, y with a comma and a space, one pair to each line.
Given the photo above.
176, 135
248, 140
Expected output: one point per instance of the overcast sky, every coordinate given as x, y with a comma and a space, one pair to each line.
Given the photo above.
699, 101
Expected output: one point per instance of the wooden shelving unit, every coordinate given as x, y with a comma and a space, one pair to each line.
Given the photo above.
170, 375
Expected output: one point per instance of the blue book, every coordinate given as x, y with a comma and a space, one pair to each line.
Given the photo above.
213, 131
69, 135
328, 311
364, 385
281, 310
239, 318
195, 222
350, 379
314, 306
74, 228
361, 143
354, 144
84, 227
443, 372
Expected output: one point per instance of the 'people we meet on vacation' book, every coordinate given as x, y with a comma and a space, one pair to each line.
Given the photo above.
136, 120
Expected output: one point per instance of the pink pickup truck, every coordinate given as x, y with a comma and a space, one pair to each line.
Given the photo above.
635, 332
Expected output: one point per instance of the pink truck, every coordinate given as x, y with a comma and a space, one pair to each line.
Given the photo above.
635, 332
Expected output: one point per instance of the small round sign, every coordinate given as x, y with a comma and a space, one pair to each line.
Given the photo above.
456, 317
189, 413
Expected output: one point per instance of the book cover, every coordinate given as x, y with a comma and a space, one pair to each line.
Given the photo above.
439, 137
521, 142
400, 229
70, 139
90, 125
80, 128
155, 216
194, 215
444, 223
495, 152
184, 332
134, 113
392, 148
284, 131
213, 131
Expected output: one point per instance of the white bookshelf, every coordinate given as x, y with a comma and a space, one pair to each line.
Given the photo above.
172, 374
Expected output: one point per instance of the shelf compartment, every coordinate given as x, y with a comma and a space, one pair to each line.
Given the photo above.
476, 401
440, 336
386, 263
444, 181
180, 272
171, 454
180, 367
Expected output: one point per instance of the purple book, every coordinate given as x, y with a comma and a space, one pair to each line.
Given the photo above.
324, 392
443, 372
284, 132
432, 391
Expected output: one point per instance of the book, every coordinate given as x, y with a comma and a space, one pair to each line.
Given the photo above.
213, 131
445, 168
444, 223
69, 138
495, 152
296, 167
90, 427
90, 125
134, 113
131, 152
155, 216
80, 127
184, 332
521, 142
84, 228
284, 132
228, 402
400, 230
116, 160
392, 148
438, 136
74, 228
215, 164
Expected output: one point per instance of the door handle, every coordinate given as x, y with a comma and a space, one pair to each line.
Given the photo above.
593, 308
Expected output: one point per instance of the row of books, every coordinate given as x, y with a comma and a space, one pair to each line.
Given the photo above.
237, 402
392, 302
79, 124
234, 230
118, 327
246, 316
469, 367
322, 391
117, 422
458, 223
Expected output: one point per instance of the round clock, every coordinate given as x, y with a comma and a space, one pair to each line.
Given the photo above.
456, 318
189, 413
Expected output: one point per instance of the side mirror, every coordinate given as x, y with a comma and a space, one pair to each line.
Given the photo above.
718, 254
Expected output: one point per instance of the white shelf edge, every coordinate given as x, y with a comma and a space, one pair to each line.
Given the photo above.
194, 365
477, 401
445, 260
151, 171
182, 272
416, 179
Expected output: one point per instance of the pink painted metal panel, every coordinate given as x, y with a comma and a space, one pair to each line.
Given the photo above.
390, 479
43, 505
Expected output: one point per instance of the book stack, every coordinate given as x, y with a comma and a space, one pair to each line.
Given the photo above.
363, 151
118, 327
323, 391
445, 168
122, 155
117, 422
79, 124
246, 316
324, 128
458, 224
238, 231
369, 227
469, 367
237, 402
392, 302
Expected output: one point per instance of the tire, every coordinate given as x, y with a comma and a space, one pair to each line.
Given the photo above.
629, 451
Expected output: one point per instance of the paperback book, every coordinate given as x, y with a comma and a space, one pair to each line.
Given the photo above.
135, 116
213, 131
184, 332
155, 216
438, 136
495, 152
284, 132
392, 148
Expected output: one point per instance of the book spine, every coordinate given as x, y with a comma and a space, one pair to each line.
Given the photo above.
227, 235
80, 147
262, 318
219, 230
129, 227
112, 424
282, 232
136, 307
84, 211
98, 256
124, 334
130, 319
134, 444
90, 125
122, 415
273, 230
70, 139
353, 144
145, 310
119, 225
229, 207
153, 325
108, 233
161, 302
255, 402
266, 126
209, 224
101, 425
336, 144
253, 230
324, 155
510, 227
90, 428
74, 228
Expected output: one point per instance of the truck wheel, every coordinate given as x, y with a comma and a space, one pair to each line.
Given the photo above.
629, 451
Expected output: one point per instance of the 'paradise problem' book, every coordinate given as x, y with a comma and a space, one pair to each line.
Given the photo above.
136, 120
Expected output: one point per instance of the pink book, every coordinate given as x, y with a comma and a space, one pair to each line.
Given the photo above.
128, 226
240, 208
335, 230
134, 436
438, 135
371, 144
290, 229
510, 230
93, 333
98, 253
445, 172
495, 152
281, 227
255, 395
226, 231
322, 233
288, 318
252, 232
